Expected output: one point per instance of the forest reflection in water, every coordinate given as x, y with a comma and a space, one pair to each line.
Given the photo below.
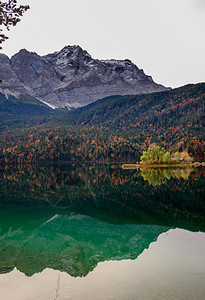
109, 193
158, 176
70, 218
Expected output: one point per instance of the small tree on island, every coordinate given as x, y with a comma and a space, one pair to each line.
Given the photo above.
155, 155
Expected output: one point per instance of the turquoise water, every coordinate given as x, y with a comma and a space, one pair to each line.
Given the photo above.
100, 232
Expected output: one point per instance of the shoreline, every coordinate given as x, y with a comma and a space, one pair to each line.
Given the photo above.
183, 165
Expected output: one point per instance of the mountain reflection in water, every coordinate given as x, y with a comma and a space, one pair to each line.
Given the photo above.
70, 218
71, 243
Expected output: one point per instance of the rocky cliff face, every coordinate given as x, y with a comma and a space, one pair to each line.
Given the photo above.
72, 77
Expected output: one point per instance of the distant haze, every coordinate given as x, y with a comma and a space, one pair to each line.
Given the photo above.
164, 37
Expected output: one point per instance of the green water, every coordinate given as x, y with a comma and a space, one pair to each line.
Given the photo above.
79, 220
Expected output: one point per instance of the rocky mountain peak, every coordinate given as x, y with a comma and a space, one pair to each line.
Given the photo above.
23, 52
68, 55
74, 51
72, 77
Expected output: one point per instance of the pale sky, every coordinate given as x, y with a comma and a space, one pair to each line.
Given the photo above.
166, 38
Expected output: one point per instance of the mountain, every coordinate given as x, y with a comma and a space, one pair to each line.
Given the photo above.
71, 77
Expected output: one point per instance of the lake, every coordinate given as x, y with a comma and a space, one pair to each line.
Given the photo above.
101, 232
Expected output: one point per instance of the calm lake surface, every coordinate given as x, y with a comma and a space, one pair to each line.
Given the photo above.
101, 232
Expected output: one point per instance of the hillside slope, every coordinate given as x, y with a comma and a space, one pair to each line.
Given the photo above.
115, 129
181, 105
17, 110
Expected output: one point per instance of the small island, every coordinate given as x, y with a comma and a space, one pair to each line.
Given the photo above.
157, 157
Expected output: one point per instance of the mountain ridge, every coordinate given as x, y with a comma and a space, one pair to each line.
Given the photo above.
71, 77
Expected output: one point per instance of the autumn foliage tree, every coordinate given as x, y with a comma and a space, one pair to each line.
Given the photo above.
182, 157
155, 155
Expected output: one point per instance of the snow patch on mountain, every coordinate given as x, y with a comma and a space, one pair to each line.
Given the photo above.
71, 77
